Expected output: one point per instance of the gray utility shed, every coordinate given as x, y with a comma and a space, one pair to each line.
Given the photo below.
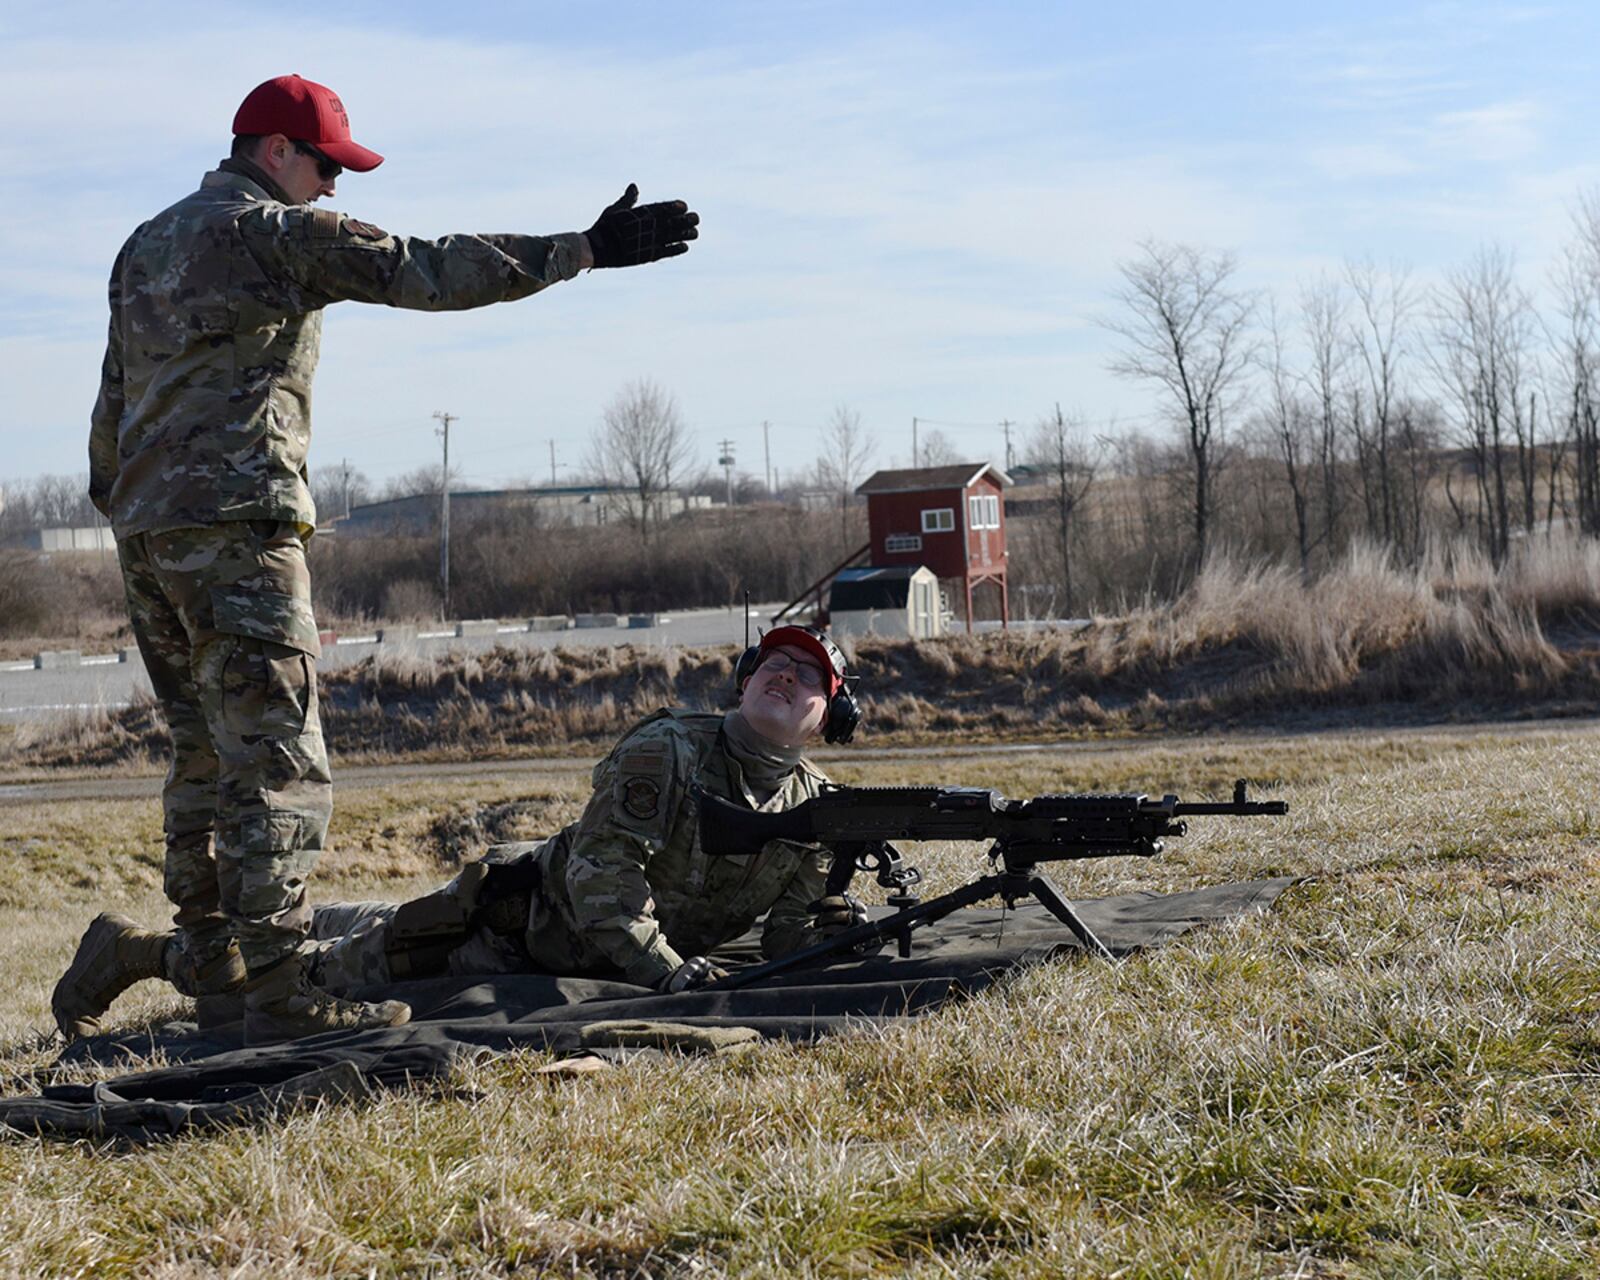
892, 600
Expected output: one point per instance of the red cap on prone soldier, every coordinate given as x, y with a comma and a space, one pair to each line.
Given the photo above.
814, 642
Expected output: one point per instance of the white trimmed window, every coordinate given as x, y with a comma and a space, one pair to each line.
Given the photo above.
938, 520
902, 542
983, 511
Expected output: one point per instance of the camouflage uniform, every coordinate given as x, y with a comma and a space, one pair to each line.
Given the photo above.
197, 455
624, 892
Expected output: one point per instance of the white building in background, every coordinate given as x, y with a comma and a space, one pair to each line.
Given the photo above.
895, 600
99, 538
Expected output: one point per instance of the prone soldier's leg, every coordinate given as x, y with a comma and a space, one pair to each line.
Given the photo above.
362, 943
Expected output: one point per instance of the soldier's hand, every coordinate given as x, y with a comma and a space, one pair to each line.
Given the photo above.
697, 971
836, 913
627, 233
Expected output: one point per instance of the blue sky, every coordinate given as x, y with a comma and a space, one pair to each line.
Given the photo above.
913, 210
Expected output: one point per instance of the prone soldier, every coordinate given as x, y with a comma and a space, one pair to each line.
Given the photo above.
197, 452
624, 892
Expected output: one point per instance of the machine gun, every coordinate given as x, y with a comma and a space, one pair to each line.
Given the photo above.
858, 823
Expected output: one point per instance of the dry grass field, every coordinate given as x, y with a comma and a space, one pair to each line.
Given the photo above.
1393, 1073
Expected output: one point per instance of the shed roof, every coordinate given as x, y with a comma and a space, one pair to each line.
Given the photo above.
957, 475
874, 587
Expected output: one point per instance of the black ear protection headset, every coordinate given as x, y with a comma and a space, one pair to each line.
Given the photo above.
844, 711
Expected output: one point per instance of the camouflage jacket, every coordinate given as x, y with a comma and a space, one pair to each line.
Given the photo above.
628, 887
204, 412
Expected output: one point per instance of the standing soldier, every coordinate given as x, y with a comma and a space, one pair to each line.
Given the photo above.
197, 454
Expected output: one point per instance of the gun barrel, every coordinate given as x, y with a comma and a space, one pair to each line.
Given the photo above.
1247, 809
1049, 827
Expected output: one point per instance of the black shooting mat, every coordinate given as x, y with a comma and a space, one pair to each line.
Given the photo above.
218, 1082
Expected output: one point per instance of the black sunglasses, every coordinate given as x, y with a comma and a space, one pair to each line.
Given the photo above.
327, 167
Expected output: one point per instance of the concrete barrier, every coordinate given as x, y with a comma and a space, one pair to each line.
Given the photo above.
550, 622
400, 633
50, 659
637, 620
478, 627
595, 620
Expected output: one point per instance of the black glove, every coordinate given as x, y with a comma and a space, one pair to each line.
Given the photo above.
836, 913
697, 971
625, 234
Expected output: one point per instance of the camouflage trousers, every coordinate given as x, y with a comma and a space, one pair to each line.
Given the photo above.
351, 947
223, 619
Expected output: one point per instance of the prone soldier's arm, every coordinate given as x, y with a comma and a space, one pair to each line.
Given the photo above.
789, 923
333, 258
628, 819
106, 419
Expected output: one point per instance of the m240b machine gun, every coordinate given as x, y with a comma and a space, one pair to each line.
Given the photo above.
858, 823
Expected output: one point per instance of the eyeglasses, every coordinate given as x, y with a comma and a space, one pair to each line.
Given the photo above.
807, 673
327, 167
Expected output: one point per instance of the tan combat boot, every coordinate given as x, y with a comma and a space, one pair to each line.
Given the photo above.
113, 954
281, 1004
216, 987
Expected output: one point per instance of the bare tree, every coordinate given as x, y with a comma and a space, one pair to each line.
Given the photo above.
47, 502
335, 490
1483, 326
642, 448
1291, 423
1379, 336
1061, 448
938, 450
424, 479
1187, 331
1322, 309
846, 450
1577, 351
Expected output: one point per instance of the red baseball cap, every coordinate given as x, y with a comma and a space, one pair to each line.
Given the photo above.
814, 642
307, 112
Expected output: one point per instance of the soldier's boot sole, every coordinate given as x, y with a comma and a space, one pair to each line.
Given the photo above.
282, 1004
113, 954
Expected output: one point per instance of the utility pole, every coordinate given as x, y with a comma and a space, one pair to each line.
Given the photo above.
766, 451
345, 467
913, 442
1005, 426
444, 512
726, 463
552, 464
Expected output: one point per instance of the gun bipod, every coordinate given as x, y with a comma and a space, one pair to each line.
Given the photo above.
1011, 886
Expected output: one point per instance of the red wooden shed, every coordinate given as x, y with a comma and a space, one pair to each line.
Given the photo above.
951, 519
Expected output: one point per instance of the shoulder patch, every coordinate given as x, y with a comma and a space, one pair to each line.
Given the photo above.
641, 797
645, 794
363, 230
